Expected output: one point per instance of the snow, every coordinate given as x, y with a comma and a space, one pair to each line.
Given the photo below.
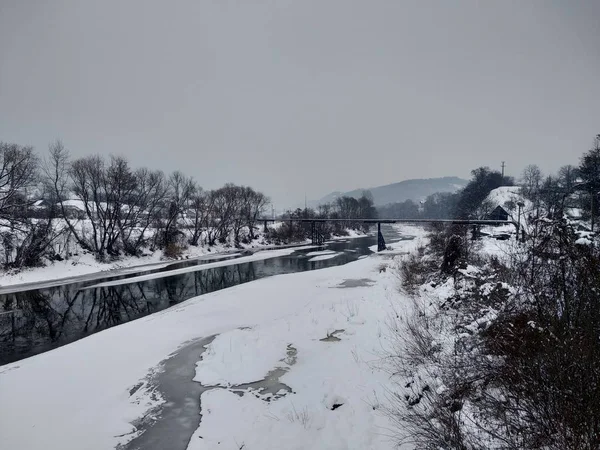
78, 266
323, 257
82, 266
320, 252
504, 194
353, 234
266, 254
80, 395
78, 204
403, 247
238, 357
86, 266
220, 256
583, 241
574, 213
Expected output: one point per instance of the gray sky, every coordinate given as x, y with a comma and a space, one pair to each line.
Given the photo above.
304, 96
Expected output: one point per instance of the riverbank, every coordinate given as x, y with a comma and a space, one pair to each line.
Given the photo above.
270, 251
84, 267
323, 330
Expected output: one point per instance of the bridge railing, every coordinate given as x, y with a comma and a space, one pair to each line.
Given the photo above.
443, 221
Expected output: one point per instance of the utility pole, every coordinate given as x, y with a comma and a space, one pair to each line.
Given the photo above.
503, 169
305, 207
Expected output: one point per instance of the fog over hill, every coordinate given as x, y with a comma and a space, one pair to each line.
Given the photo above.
416, 190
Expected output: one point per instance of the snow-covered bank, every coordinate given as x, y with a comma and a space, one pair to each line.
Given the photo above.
84, 267
88, 394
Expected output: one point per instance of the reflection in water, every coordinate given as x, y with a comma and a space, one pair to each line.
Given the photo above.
51, 317
35, 321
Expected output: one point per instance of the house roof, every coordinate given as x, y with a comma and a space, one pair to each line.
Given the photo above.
499, 209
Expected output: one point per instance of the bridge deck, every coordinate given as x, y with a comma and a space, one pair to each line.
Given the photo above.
441, 221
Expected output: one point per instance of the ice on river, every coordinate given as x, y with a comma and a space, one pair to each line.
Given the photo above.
323, 257
321, 252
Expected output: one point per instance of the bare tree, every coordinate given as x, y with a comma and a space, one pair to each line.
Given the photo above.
88, 183
567, 177
238, 196
18, 173
143, 207
181, 189
109, 208
224, 212
120, 191
531, 178
56, 170
198, 214
254, 207
29, 238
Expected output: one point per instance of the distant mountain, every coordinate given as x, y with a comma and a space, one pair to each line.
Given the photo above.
415, 190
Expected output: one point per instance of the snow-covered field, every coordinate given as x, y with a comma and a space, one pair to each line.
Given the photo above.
324, 330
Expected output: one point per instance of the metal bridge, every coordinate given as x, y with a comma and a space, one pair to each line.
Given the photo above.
318, 238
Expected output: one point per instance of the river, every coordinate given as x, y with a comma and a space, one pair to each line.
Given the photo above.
37, 320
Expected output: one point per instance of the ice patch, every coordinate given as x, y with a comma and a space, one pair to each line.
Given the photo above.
321, 252
323, 257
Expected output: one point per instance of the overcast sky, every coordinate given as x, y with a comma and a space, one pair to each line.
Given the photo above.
304, 96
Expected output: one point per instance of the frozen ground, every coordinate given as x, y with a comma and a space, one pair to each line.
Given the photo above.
322, 333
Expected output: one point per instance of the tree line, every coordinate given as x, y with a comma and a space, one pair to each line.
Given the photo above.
110, 209
571, 187
463, 204
343, 207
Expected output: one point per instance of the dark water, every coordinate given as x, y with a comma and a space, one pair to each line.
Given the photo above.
38, 320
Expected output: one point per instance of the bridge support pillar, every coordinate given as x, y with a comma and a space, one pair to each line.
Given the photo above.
380, 240
474, 232
317, 237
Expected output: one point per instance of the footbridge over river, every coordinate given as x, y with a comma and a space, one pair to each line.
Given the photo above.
318, 237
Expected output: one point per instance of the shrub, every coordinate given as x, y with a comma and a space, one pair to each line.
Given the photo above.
507, 367
415, 270
173, 251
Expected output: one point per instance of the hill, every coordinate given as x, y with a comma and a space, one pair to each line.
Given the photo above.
416, 190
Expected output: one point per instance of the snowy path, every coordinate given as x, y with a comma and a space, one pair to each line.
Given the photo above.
101, 391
